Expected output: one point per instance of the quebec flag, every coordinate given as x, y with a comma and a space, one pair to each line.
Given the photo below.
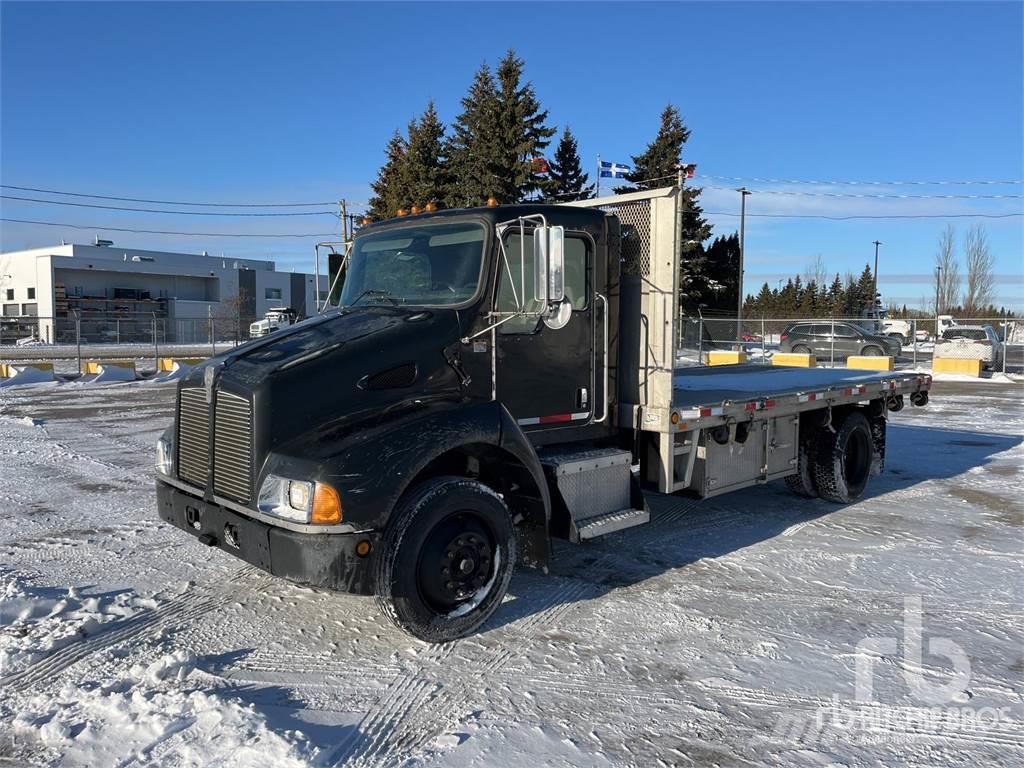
614, 170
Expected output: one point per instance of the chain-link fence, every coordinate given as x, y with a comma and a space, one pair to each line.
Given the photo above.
81, 336
997, 342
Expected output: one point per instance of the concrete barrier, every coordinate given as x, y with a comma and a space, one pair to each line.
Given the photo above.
794, 360
871, 363
953, 365
726, 357
16, 374
171, 364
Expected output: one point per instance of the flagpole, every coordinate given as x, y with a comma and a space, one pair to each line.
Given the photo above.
598, 175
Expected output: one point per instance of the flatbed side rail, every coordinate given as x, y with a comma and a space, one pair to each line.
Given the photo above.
713, 414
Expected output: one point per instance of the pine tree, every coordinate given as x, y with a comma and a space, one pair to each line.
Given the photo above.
865, 291
657, 167
836, 297
721, 270
522, 134
424, 175
473, 145
387, 193
568, 181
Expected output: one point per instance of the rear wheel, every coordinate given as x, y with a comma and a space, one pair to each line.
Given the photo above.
802, 483
801, 349
842, 459
446, 559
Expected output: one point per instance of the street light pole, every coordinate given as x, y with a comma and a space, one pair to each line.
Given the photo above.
938, 286
875, 297
739, 279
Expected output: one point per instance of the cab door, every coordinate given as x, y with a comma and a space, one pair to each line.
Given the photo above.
544, 374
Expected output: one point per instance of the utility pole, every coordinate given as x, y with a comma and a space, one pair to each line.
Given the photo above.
874, 300
739, 278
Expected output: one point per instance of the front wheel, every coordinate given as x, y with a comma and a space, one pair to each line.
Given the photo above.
872, 351
446, 559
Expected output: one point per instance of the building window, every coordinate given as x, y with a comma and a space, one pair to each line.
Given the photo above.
9, 294
31, 293
30, 310
273, 293
10, 310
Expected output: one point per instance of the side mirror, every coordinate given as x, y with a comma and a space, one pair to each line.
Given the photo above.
549, 265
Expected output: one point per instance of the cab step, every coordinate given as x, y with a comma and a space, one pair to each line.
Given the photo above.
610, 522
597, 488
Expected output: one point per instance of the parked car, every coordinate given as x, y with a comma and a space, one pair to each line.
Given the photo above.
971, 342
843, 339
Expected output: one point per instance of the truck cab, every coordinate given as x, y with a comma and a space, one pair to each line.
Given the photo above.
486, 379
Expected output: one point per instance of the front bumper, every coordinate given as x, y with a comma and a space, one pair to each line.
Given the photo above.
326, 560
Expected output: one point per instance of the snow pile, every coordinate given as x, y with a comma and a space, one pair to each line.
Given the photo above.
113, 373
156, 714
27, 374
35, 623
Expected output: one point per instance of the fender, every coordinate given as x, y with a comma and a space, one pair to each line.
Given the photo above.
372, 466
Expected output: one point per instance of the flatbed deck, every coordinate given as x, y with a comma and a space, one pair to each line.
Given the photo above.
709, 394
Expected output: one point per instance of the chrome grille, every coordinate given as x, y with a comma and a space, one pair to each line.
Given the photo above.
232, 447
193, 436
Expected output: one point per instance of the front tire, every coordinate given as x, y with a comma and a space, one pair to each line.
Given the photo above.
446, 559
872, 351
842, 461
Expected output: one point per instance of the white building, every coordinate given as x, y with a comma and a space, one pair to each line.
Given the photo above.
118, 292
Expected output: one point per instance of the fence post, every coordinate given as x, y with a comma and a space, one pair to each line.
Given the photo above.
156, 348
913, 330
832, 343
78, 339
764, 359
700, 341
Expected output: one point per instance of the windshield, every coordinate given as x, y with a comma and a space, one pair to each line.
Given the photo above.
429, 264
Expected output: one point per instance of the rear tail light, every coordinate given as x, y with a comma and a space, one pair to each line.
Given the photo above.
783, 337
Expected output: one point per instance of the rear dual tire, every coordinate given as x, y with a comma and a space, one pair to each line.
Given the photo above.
835, 465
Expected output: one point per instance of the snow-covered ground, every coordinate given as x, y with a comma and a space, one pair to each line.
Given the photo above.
756, 628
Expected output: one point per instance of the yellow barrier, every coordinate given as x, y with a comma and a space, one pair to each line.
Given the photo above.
794, 360
952, 365
166, 364
92, 367
871, 362
7, 370
726, 357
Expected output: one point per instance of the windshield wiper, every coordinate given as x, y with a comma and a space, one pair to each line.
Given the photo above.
375, 292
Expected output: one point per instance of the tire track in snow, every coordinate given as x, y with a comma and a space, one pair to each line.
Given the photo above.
400, 723
184, 608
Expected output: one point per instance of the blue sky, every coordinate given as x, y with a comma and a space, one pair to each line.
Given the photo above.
265, 102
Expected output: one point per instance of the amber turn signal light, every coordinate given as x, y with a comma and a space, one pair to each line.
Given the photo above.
326, 506
363, 548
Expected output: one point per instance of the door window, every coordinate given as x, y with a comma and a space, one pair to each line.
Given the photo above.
575, 280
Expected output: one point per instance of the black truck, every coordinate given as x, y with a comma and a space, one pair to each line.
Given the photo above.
485, 380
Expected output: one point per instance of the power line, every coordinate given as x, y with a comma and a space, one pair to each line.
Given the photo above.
863, 195
167, 232
157, 210
168, 202
870, 216
943, 182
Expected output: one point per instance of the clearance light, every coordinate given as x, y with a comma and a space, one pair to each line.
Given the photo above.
416, 209
431, 207
492, 202
366, 221
401, 212
326, 506
363, 548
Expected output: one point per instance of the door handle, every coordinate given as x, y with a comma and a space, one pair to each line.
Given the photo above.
604, 390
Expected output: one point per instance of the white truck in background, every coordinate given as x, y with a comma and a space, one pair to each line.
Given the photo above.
274, 319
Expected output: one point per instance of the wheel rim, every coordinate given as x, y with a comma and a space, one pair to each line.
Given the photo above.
800, 349
456, 561
856, 462
873, 352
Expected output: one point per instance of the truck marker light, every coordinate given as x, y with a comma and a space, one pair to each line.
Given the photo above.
675, 417
363, 548
492, 202
326, 506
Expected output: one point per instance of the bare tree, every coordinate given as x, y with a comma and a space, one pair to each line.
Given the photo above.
815, 272
947, 276
980, 271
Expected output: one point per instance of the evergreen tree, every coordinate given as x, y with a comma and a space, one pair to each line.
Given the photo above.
568, 181
473, 145
836, 297
387, 193
522, 134
424, 175
865, 291
720, 270
656, 167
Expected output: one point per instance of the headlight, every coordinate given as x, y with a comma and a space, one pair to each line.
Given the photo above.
299, 500
165, 453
